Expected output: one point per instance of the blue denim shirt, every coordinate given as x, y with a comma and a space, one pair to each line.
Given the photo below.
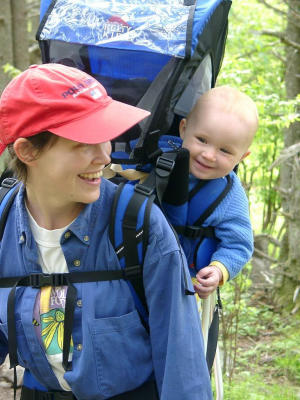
116, 354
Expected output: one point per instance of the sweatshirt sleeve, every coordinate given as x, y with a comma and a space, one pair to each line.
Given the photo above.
175, 331
234, 230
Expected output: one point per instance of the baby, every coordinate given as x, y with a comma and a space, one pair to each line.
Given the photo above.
218, 133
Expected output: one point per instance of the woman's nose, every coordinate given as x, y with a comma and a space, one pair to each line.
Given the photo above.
102, 153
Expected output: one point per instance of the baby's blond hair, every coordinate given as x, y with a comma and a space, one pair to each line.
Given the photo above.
231, 100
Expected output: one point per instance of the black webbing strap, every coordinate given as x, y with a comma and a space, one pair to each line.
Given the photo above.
194, 232
215, 203
147, 391
197, 230
39, 280
7, 185
163, 169
213, 333
131, 237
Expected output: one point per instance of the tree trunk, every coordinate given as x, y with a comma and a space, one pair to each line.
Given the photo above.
6, 52
13, 37
290, 171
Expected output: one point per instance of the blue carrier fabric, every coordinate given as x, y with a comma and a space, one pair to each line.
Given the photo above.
160, 55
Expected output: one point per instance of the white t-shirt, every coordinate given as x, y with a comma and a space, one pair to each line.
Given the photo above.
49, 309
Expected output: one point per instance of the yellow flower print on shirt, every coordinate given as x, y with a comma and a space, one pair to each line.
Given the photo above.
52, 324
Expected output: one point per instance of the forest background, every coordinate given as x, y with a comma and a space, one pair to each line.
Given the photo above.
260, 328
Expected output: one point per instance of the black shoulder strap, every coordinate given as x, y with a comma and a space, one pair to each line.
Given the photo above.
215, 203
8, 190
129, 241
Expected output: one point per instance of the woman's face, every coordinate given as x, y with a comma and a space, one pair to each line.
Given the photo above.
68, 172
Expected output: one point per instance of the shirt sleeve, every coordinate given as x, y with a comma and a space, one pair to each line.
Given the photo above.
3, 348
234, 231
175, 332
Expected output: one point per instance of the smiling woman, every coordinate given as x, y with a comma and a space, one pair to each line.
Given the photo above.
67, 323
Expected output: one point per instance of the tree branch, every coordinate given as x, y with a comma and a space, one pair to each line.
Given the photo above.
294, 12
270, 238
282, 37
275, 9
287, 153
264, 255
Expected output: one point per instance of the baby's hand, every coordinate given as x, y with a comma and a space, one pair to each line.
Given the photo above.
207, 280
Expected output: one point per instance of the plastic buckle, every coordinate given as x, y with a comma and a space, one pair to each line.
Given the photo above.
142, 189
58, 280
193, 232
9, 182
39, 280
164, 166
135, 270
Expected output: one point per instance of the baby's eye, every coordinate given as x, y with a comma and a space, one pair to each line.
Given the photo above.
225, 151
201, 139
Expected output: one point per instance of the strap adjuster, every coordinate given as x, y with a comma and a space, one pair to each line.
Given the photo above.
164, 166
9, 182
144, 190
193, 232
134, 270
39, 280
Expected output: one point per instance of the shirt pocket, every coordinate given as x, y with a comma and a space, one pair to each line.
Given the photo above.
122, 352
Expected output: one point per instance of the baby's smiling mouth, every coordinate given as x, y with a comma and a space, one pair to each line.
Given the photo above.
201, 164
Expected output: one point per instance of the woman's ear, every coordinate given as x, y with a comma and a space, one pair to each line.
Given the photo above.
25, 150
182, 128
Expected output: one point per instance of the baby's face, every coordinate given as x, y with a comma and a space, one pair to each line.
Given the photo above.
217, 142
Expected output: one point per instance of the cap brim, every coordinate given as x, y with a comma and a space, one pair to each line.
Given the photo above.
102, 124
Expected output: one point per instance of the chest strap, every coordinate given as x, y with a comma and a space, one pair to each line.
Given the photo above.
39, 280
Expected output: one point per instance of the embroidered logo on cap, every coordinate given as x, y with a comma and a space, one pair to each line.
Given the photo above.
95, 93
80, 87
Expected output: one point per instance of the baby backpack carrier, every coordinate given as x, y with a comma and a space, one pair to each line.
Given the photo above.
159, 55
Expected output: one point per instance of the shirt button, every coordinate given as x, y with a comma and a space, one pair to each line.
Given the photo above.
79, 303
86, 238
67, 235
79, 347
22, 239
76, 263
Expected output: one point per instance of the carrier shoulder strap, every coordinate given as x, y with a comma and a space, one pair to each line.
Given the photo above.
210, 209
8, 190
197, 230
129, 229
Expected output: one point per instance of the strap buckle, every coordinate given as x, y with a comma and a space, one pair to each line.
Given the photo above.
132, 271
9, 182
144, 190
39, 280
164, 166
193, 232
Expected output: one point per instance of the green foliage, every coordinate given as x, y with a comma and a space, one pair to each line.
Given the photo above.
261, 353
254, 63
254, 387
10, 70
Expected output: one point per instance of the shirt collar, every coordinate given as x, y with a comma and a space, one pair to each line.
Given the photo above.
83, 225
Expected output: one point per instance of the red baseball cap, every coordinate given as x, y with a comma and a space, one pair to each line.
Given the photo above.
65, 101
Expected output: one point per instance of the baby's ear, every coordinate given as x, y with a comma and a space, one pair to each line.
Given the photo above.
25, 150
182, 128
